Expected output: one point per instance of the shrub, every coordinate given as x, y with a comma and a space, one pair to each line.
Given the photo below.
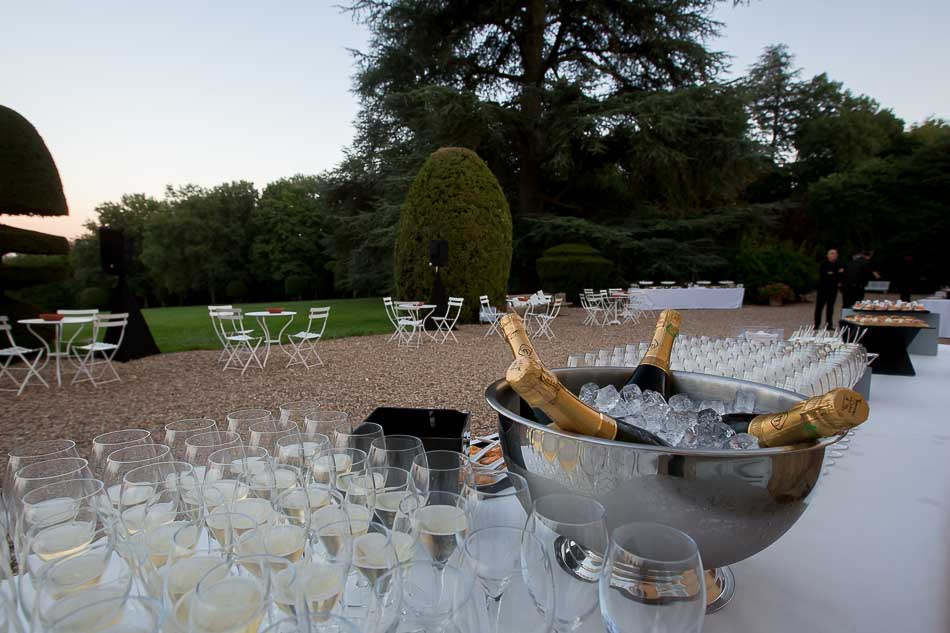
569, 268
777, 291
455, 197
295, 286
94, 298
235, 290
759, 264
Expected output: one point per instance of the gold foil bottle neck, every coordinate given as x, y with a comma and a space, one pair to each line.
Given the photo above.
512, 328
664, 335
822, 416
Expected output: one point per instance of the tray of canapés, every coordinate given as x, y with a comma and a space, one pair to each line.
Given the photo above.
887, 305
884, 320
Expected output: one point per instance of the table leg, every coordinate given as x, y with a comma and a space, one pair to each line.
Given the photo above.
280, 335
48, 353
262, 321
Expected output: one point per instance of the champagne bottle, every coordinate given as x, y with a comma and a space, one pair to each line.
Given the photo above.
829, 414
542, 390
653, 372
512, 328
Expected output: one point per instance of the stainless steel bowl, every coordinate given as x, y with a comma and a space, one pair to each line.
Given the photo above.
733, 503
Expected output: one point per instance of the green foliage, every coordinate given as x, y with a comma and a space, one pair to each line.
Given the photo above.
456, 198
761, 263
296, 286
773, 95
236, 290
94, 298
29, 180
570, 268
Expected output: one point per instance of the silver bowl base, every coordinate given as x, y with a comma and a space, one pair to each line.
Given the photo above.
719, 581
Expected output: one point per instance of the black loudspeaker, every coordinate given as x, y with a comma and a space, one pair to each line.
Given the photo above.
438, 253
112, 251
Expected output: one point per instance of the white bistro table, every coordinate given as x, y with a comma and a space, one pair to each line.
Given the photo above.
60, 351
416, 310
941, 307
262, 316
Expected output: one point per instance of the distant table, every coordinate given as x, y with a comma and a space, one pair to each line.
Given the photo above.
940, 307
57, 339
262, 316
890, 343
416, 310
697, 298
926, 341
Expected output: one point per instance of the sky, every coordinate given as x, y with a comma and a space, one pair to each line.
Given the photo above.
133, 96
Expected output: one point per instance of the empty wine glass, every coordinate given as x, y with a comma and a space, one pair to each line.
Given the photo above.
242, 420
573, 531
653, 580
497, 497
319, 421
103, 445
178, 432
434, 597
360, 437
296, 413
444, 471
395, 450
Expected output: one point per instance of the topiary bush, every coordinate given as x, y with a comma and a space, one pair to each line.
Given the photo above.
455, 197
295, 286
94, 298
760, 263
570, 268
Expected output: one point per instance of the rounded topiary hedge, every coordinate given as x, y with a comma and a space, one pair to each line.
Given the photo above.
94, 297
570, 268
455, 197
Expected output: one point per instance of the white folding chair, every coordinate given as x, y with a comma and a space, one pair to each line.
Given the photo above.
592, 308
225, 347
490, 314
635, 306
392, 313
304, 343
545, 320
13, 352
444, 324
81, 313
240, 341
86, 354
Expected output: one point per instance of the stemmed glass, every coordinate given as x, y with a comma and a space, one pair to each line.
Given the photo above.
440, 521
361, 437
242, 420
178, 432
653, 580
200, 445
315, 623
504, 557
318, 421
125, 459
573, 530
434, 597
266, 434
329, 465
124, 613
103, 445
395, 450
323, 572
297, 449
497, 497
39, 474
392, 486
30, 453
234, 596
294, 414
444, 471
62, 518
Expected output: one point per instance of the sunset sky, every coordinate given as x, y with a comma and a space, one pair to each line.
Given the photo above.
131, 97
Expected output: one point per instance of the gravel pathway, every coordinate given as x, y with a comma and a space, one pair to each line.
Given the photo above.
360, 374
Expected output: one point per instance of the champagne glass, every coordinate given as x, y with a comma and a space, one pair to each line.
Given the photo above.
329, 465
103, 445
319, 421
227, 472
29, 453
132, 613
153, 498
434, 597
497, 497
297, 449
43, 473
310, 499
373, 555
123, 460
322, 575
295, 413
200, 445
361, 437
443, 471
395, 450
440, 521
392, 486
62, 518
178, 432
573, 530
315, 624
242, 420
653, 580
506, 558
286, 535
266, 433
227, 526
230, 598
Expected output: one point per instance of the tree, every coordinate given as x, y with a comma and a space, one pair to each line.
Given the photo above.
773, 92
514, 55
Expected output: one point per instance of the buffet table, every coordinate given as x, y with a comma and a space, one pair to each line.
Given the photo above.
695, 298
940, 307
926, 341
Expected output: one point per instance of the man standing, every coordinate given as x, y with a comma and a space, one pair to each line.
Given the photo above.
829, 278
857, 274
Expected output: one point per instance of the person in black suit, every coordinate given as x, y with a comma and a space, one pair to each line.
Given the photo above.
829, 279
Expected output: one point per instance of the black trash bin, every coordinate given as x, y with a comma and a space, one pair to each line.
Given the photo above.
439, 429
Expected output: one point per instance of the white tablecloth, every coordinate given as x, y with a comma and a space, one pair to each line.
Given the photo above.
941, 307
696, 298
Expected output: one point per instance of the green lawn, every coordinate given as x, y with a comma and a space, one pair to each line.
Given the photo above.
186, 328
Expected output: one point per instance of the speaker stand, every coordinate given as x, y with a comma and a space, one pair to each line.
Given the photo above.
138, 341
440, 299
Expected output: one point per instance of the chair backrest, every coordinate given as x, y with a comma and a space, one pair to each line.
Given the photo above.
216, 308
5, 327
391, 312
320, 315
456, 303
556, 308
229, 319
483, 299
90, 313
108, 321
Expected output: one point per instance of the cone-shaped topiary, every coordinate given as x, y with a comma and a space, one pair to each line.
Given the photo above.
455, 197
29, 180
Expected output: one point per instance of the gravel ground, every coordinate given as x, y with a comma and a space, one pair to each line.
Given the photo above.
360, 374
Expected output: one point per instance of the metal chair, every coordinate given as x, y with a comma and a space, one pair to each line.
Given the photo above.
444, 324
545, 320
490, 314
304, 343
86, 354
9, 354
239, 341
590, 302
392, 313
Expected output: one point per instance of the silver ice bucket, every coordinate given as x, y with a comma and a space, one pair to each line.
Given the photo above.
733, 503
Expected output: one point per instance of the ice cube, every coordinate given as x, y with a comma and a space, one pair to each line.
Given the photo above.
652, 397
588, 393
675, 426
742, 442
716, 405
606, 398
630, 392
744, 402
706, 435
625, 408
708, 415
654, 414
681, 403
